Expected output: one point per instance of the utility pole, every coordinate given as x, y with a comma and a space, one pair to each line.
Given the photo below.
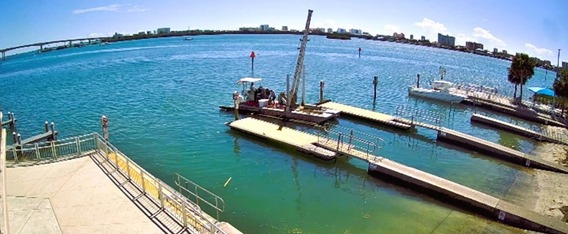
558, 65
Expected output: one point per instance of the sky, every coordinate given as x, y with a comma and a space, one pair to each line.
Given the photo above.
538, 28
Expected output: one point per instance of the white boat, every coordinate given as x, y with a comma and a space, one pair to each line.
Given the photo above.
188, 38
441, 90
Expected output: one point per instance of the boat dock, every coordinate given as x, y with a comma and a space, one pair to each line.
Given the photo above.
512, 110
497, 150
477, 118
303, 142
458, 138
368, 115
489, 206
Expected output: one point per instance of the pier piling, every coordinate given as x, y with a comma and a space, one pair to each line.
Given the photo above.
104, 123
322, 84
375, 82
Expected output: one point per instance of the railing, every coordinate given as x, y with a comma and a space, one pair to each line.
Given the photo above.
52, 150
188, 213
198, 194
420, 117
360, 141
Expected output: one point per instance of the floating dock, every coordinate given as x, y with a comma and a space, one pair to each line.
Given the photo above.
523, 113
368, 115
457, 138
303, 142
488, 205
498, 151
477, 118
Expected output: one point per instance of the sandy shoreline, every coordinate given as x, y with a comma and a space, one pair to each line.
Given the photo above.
551, 188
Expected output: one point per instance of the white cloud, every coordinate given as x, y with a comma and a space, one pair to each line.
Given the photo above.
462, 38
391, 28
113, 7
539, 51
479, 32
431, 26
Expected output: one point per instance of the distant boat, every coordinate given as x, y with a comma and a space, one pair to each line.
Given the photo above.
188, 38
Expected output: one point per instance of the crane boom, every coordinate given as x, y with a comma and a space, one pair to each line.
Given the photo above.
293, 93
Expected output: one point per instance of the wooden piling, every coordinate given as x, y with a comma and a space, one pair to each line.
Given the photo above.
375, 82
322, 84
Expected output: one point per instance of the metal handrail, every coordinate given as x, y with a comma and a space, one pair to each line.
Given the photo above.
183, 185
188, 213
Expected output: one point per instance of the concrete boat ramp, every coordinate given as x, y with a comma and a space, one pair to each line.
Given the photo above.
327, 148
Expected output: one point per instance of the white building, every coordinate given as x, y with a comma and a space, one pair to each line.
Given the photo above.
163, 30
341, 30
329, 30
355, 31
284, 28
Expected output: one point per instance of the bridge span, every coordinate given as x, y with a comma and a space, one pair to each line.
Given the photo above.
41, 44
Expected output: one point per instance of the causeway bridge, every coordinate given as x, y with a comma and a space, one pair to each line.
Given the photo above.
41, 44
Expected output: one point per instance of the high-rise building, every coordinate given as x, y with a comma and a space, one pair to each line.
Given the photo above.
163, 31
264, 27
284, 28
329, 30
471, 46
446, 40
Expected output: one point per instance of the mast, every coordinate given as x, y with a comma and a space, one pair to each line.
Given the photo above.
297, 74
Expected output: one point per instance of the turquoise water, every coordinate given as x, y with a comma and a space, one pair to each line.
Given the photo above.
162, 98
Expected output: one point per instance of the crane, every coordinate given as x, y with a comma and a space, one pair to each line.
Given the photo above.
293, 92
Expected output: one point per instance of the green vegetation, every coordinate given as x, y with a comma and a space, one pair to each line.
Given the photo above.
340, 36
521, 70
560, 87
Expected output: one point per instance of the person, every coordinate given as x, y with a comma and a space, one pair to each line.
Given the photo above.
252, 88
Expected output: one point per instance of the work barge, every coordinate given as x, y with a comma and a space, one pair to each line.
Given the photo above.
326, 148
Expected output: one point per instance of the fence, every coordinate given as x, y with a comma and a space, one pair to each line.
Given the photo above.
188, 213
368, 145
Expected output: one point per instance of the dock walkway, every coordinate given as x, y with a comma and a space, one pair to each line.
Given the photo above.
373, 116
477, 118
491, 206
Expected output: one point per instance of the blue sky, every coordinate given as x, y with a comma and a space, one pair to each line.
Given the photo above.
538, 28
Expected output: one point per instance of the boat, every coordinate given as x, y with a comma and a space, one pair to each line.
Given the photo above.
441, 90
263, 100
188, 38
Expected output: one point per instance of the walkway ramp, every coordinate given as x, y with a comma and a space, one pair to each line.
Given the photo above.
304, 142
497, 150
368, 115
39, 137
477, 118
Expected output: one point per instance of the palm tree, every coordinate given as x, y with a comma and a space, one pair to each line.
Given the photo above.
521, 70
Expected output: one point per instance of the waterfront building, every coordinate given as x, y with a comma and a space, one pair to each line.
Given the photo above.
248, 29
411, 37
264, 27
329, 30
355, 31
341, 30
163, 30
564, 65
398, 35
472, 46
422, 38
446, 40
495, 51
284, 28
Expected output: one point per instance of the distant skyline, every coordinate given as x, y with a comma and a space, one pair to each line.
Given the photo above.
537, 28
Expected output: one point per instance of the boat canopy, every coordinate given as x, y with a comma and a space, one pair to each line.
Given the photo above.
248, 79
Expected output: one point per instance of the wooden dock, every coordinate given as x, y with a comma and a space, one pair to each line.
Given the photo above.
497, 150
477, 118
488, 205
368, 115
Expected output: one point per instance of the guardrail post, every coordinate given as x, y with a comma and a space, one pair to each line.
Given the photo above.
143, 184
15, 152
38, 157
53, 151
183, 213
128, 170
78, 146
161, 194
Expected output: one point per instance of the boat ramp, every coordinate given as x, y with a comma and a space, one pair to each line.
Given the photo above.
328, 148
